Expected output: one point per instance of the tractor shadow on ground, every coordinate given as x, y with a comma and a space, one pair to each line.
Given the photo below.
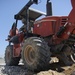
59, 67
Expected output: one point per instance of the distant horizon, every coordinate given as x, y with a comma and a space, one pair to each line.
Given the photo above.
2, 56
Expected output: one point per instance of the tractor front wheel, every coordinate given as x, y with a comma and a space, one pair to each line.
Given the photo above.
9, 59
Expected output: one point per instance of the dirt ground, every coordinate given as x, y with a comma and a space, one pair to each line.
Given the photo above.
54, 69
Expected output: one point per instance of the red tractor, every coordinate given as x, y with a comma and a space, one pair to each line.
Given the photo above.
39, 40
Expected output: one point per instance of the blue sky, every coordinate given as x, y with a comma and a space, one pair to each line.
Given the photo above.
8, 8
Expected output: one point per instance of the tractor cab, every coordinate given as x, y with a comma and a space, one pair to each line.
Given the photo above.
30, 16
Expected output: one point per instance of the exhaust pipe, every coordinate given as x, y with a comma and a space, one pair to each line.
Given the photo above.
49, 8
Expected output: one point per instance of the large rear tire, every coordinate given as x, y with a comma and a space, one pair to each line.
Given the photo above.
35, 54
9, 59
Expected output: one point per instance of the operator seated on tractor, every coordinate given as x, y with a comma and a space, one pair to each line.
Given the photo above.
23, 28
13, 31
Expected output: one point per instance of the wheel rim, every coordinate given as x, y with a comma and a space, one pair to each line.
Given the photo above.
73, 57
29, 54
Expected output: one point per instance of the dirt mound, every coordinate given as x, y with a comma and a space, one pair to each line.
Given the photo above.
54, 69
50, 72
19, 70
